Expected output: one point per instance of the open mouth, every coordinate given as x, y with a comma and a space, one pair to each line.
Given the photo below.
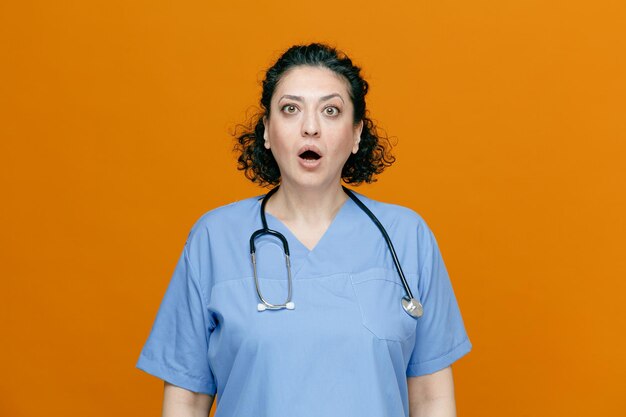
310, 155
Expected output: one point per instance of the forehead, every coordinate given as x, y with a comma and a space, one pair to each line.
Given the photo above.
309, 81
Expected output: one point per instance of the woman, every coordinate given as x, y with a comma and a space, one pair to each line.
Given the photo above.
325, 333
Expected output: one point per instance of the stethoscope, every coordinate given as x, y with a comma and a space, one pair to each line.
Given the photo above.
411, 305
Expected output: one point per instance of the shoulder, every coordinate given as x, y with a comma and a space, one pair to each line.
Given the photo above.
223, 217
215, 235
402, 223
394, 213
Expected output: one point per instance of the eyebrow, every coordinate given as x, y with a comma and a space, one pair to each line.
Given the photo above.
323, 98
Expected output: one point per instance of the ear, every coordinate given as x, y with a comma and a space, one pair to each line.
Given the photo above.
358, 129
265, 135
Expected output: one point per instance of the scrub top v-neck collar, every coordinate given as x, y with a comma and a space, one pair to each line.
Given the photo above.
299, 252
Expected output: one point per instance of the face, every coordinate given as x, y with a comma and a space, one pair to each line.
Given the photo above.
311, 130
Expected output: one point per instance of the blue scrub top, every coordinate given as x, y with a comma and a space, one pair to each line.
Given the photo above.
346, 349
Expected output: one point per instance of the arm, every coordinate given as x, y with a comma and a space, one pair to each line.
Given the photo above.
179, 402
432, 395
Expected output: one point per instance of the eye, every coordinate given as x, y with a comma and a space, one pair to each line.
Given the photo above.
331, 111
289, 109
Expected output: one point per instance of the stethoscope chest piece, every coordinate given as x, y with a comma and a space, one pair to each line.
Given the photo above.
412, 307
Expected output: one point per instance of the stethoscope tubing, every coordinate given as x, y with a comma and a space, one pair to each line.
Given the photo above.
411, 305
371, 215
267, 231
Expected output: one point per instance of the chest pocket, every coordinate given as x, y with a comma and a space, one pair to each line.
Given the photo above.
379, 293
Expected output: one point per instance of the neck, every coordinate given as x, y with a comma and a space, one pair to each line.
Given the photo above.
306, 205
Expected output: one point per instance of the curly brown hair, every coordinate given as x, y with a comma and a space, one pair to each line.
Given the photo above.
374, 153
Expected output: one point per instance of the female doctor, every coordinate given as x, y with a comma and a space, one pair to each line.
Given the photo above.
293, 303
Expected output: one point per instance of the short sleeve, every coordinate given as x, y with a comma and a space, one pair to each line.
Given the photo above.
441, 338
177, 347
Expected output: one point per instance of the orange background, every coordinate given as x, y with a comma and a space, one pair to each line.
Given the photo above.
510, 126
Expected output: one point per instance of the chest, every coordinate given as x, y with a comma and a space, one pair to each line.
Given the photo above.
329, 310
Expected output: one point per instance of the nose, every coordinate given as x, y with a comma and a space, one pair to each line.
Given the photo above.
310, 125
